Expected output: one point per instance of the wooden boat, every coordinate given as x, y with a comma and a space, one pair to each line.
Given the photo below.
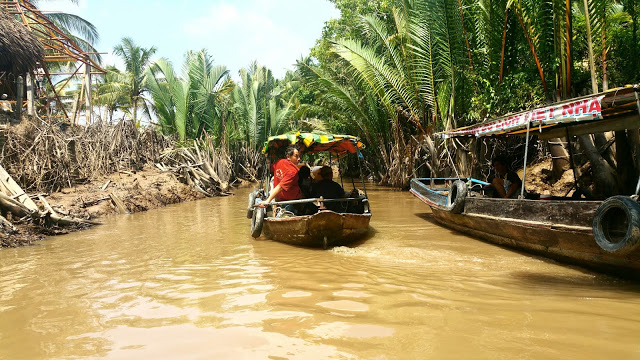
599, 235
326, 228
323, 229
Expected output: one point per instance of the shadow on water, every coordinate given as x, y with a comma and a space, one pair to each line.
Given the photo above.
370, 234
586, 279
601, 275
428, 217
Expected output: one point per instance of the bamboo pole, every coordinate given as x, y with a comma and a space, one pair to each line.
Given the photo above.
20, 89
87, 79
30, 95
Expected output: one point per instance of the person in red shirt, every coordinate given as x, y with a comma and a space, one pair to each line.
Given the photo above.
285, 180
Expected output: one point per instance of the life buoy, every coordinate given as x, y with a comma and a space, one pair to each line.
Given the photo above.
616, 225
457, 194
257, 219
252, 199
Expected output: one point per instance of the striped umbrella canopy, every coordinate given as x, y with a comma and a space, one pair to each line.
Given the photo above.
312, 143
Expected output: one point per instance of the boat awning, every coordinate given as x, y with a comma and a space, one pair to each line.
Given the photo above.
314, 143
615, 109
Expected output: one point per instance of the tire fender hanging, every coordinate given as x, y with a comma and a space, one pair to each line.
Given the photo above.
257, 219
252, 200
616, 225
456, 197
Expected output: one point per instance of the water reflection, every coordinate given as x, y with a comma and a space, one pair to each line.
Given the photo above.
189, 282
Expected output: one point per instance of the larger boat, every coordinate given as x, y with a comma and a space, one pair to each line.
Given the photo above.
326, 228
600, 235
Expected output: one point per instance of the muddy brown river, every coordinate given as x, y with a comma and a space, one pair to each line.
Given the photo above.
188, 282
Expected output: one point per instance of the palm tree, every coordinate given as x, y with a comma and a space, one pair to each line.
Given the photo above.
111, 93
136, 60
193, 104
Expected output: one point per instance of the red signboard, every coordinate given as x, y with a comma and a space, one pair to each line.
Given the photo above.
578, 110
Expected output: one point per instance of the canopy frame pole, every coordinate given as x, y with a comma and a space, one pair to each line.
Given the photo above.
575, 179
339, 170
364, 187
526, 154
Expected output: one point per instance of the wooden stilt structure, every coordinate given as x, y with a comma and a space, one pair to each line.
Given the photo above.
58, 48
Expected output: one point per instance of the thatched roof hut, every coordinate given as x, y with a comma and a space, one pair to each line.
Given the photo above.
20, 49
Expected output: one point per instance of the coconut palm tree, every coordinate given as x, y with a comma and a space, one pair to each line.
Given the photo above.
136, 59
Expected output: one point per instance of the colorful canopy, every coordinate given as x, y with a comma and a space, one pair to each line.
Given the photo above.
313, 143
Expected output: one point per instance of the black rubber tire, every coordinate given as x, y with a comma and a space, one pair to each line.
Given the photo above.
456, 197
256, 220
616, 225
252, 200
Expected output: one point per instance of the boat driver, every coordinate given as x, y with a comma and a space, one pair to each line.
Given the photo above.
285, 180
505, 183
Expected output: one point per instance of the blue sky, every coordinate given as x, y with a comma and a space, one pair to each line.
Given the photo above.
234, 32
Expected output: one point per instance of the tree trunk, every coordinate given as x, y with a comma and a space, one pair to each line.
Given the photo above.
605, 76
627, 172
604, 178
559, 156
592, 66
633, 135
135, 111
634, 37
606, 151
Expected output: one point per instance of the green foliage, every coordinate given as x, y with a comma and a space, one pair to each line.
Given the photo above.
131, 81
193, 104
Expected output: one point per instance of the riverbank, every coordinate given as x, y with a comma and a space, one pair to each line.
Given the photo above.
121, 192
61, 178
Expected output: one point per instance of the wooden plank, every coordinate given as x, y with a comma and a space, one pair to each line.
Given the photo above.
11, 189
119, 204
565, 212
47, 206
105, 185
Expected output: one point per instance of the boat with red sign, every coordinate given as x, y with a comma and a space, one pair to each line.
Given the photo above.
603, 235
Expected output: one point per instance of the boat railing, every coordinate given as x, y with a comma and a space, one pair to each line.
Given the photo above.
443, 184
310, 200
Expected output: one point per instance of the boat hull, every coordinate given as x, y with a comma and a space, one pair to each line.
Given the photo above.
561, 230
321, 230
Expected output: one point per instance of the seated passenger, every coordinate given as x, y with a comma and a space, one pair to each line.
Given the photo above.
329, 189
304, 181
505, 183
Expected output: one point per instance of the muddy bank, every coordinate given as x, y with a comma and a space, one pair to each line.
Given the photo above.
79, 174
136, 191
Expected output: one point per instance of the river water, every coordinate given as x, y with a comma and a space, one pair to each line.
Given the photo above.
188, 282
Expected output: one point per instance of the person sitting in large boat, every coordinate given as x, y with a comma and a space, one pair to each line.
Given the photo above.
505, 183
285, 181
329, 189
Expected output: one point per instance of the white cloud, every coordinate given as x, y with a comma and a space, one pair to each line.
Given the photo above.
221, 17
